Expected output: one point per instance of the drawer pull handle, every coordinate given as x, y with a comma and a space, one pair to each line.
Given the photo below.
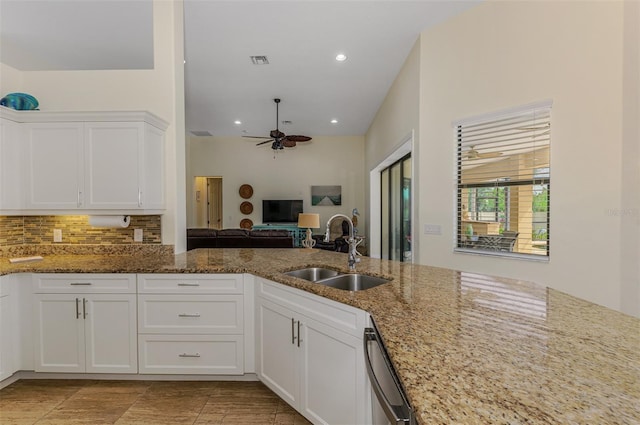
189, 315
80, 283
188, 284
189, 355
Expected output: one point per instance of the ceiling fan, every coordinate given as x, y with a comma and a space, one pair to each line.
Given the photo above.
474, 154
279, 139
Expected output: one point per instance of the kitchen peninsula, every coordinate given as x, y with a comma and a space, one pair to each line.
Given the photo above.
469, 348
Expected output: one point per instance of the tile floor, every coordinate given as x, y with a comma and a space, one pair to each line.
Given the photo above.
75, 402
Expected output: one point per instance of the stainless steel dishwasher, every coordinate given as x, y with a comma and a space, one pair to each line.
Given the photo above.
390, 405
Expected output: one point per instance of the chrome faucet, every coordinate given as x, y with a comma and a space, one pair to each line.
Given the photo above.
353, 243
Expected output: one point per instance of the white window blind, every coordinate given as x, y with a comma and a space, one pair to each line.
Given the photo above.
503, 182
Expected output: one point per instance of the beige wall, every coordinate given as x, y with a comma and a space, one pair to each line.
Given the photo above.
630, 171
159, 90
505, 54
323, 161
395, 123
10, 80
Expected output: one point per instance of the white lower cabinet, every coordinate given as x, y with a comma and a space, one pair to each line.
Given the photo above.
7, 325
314, 365
191, 324
191, 354
84, 331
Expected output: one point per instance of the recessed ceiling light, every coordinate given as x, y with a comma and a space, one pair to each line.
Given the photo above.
334, 121
259, 60
341, 57
237, 122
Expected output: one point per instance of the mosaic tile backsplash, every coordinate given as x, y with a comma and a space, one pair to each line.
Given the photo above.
38, 230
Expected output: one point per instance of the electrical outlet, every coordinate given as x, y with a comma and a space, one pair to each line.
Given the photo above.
432, 229
57, 235
138, 235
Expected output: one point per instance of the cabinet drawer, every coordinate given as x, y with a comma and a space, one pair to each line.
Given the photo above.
346, 318
189, 314
190, 283
191, 354
80, 283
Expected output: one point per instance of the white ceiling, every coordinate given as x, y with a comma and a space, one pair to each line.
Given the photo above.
300, 38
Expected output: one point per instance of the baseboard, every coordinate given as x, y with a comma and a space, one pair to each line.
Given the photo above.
28, 374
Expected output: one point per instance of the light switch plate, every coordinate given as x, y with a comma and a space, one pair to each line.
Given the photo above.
432, 229
138, 235
57, 235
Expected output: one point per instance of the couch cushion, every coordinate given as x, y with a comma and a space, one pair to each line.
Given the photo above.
240, 233
269, 233
202, 233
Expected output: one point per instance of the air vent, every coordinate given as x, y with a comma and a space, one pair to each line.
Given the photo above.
286, 122
259, 60
201, 133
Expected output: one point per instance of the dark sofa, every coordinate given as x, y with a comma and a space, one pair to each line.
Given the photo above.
238, 238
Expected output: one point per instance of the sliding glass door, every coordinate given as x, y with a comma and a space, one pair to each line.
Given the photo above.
395, 188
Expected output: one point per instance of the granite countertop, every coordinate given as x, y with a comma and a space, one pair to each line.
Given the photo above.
469, 348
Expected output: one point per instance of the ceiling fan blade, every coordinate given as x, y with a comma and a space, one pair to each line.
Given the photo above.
256, 137
294, 138
263, 142
288, 143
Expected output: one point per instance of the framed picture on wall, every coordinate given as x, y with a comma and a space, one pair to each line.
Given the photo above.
326, 195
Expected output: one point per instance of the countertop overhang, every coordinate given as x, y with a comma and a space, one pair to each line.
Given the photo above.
469, 348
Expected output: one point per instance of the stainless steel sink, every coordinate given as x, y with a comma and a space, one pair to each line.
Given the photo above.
353, 282
312, 274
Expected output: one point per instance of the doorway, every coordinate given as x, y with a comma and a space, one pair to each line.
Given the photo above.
208, 201
405, 147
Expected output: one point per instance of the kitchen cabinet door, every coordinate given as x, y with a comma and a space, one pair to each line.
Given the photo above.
113, 165
59, 333
110, 333
85, 333
11, 178
54, 171
333, 377
7, 324
278, 354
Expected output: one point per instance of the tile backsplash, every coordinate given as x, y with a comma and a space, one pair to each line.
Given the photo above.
38, 230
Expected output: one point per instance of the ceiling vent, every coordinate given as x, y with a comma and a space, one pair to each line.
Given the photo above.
259, 60
201, 133
286, 122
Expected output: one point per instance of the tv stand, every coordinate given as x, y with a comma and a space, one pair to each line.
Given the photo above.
297, 233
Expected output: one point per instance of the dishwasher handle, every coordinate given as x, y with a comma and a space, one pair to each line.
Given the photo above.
389, 409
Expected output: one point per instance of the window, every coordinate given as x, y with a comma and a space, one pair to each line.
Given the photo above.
503, 182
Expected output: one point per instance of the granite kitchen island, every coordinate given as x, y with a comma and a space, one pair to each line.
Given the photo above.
469, 348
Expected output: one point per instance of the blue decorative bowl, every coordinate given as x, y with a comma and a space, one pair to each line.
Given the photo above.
19, 101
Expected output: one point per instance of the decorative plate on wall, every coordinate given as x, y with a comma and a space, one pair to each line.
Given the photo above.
246, 207
246, 191
245, 223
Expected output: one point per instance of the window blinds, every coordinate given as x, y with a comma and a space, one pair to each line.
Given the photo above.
503, 181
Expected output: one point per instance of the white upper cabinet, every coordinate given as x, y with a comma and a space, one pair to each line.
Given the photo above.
53, 165
111, 162
10, 165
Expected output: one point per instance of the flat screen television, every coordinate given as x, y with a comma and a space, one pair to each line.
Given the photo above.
281, 210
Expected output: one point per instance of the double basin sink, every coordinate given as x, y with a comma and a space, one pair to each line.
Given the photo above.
335, 279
